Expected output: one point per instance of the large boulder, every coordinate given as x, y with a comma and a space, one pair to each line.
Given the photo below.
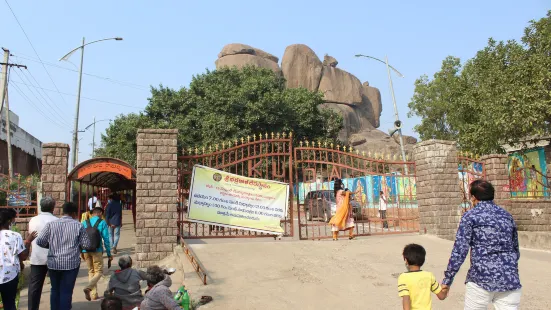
371, 103
242, 60
301, 67
340, 86
238, 49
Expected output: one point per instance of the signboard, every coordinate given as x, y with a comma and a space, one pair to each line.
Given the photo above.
18, 198
234, 201
104, 167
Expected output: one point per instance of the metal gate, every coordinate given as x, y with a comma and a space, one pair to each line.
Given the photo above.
264, 156
317, 164
469, 168
309, 169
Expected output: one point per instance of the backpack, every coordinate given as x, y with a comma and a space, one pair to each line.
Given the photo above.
93, 235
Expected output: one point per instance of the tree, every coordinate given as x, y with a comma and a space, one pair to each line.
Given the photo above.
500, 96
223, 105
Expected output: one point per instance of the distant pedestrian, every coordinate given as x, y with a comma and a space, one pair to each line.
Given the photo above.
97, 230
39, 256
491, 234
383, 202
111, 303
64, 238
113, 216
94, 202
13, 251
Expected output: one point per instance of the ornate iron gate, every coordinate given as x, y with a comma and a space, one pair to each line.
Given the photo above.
309, 169
469, 168
264, 156
316, 165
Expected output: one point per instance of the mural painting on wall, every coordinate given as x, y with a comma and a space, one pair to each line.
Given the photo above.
401, 190
468, 171
527, 174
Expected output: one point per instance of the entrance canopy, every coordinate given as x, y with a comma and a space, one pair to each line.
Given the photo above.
106, 172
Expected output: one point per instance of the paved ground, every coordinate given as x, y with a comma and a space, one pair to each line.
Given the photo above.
289, 274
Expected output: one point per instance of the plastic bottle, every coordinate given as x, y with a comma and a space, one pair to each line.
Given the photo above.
185, 301
180, 293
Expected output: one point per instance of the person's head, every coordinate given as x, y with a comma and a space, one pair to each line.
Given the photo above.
115, 197
97, 211
338, 185
481, 190
111, 303
154, 275
414, 255
70, 209
125, 262
47, 204
6, 217
94, 194
381, 193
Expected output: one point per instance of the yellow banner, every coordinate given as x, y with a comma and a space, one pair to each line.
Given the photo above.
220, 198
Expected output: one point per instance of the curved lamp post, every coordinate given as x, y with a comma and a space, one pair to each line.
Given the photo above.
94, 133
66, 58
397, 122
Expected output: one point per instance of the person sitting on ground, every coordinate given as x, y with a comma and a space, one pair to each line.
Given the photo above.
111, 303
159, 296
415, 285
125, 283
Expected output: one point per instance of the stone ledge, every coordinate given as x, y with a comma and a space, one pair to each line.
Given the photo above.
485, 157
55, 145
535, 240
433, 141
161, 131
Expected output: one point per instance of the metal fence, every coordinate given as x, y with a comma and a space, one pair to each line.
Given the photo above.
19, 193
469, 168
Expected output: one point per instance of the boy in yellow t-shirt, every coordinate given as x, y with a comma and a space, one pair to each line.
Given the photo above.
415, 285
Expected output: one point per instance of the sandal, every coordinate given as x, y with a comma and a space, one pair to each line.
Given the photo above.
205, 300
352, 238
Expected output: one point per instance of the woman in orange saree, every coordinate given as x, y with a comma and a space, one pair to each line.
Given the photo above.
343, 218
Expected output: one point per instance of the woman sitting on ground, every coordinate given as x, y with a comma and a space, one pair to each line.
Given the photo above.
159, 296
125, 284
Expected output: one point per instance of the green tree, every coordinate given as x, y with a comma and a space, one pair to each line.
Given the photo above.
223, 105
500, 96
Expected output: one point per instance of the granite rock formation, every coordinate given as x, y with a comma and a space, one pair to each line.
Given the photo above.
359, 104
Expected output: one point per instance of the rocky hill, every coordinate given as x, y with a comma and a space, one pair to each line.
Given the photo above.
359, 104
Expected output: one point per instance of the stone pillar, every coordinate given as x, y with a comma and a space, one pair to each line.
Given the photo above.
55, 161
438, 191
157, 195
495, 168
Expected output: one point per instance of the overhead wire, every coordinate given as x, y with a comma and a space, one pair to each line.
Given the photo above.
35, 52
60, 117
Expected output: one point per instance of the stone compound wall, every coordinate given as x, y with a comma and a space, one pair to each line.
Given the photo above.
157, 195
495, 166
438, 192
55, 162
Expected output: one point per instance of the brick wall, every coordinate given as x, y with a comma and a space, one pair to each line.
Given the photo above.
54, 172
495, 166
438, 192
22, 223
156, 185
532, 215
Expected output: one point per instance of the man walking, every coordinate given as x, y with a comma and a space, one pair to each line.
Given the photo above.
63, 238
491, 234
113, 216
96, 229
383, 202
39, 255
94, 202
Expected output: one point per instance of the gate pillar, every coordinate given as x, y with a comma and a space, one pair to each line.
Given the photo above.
156, 195
438, 191
495, 167
54, 173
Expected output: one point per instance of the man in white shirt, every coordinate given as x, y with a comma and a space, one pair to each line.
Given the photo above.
383, 202
39, 255
94, 202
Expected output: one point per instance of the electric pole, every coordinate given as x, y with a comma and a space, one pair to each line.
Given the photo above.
4, 96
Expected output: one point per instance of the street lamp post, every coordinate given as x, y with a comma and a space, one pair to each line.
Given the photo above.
93, 133
397, 122
66, 57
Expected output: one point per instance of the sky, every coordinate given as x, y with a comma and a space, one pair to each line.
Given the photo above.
167, 42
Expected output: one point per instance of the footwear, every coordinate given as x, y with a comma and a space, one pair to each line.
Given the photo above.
87, 292
205, 300
114, 250
351, 237
335, 239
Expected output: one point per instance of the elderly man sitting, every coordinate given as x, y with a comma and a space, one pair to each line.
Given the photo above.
125, 284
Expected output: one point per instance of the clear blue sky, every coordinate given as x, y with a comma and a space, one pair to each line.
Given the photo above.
169, 41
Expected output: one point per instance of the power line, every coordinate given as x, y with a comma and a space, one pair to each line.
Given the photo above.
123, 83
93, 99
35, 52
61, 117
29, 101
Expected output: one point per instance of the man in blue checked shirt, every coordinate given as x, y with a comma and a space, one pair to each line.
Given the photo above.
491, 234
94, 260
64, 238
